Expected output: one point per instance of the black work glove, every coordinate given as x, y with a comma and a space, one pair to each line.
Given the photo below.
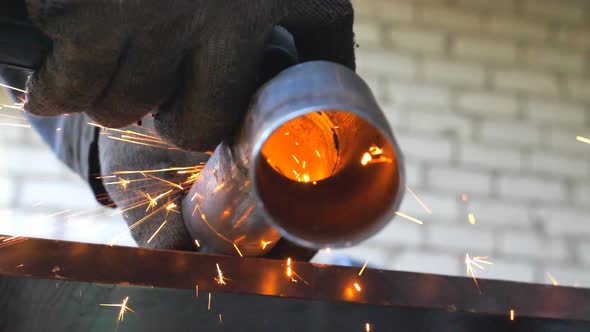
118, 60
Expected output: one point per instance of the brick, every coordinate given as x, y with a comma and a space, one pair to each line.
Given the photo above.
39, 162
489, 157
565, 141
444, 208
523, 271
583, 252
424, 147
531, 188
531, 246
526, 81
558, 11
366, 33
582, 194
499, 213
6, 191
516, 27
58, 194
560, 221
453, 73
459, 180
486, 50
384, 11
551, 112
399, 233
461, 239
426, 262
544, 162
579, 89
419, 40
487, 104
510, 133
563, 60
489, 6
451, 18
568, 276
439, 122
386, 63
419, 94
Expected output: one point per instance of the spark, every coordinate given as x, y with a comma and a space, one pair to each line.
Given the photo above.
366, 158
220, 320
471, 218
328, 251
12, 88
238, 250
140, 143
171, 206
12, 117
58, 129
58, 213
464, 198
263, 244
477, 262
363, 268
583, 139
124, 183
122, 311
405, 216
297, 143
36, 204
287, 134
357, 287
424, 206
303, 165
15, 106
289, 271
209, 303
171, 169
553, 280
165, 181
367, 327
157, 231
295, 158
197, 290
197, 244
12, 238
306, 177
14, 125
511, 314
220, 279
317, 153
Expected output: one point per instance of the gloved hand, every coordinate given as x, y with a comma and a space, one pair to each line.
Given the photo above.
194, 62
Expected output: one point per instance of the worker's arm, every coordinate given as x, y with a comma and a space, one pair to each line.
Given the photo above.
195, 64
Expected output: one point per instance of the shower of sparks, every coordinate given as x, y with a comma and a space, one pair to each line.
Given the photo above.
209, 302
512, 314
157, 231
479, 262
122, 311
424, 206
357, 287
238, 250
471, 218
405, 216
583, 139
363, 268
552, 278
264, 244
197, 244
12, 88
367, 327
220, 279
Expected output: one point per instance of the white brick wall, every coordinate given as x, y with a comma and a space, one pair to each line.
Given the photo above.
486, 99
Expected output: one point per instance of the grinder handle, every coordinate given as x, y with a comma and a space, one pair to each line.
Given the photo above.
22, 45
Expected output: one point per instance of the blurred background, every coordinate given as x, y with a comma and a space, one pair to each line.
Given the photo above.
486, 99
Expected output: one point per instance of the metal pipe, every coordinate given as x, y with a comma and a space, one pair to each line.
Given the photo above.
315, 161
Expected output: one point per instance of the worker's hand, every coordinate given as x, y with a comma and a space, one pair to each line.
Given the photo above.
147, 181
194, 62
